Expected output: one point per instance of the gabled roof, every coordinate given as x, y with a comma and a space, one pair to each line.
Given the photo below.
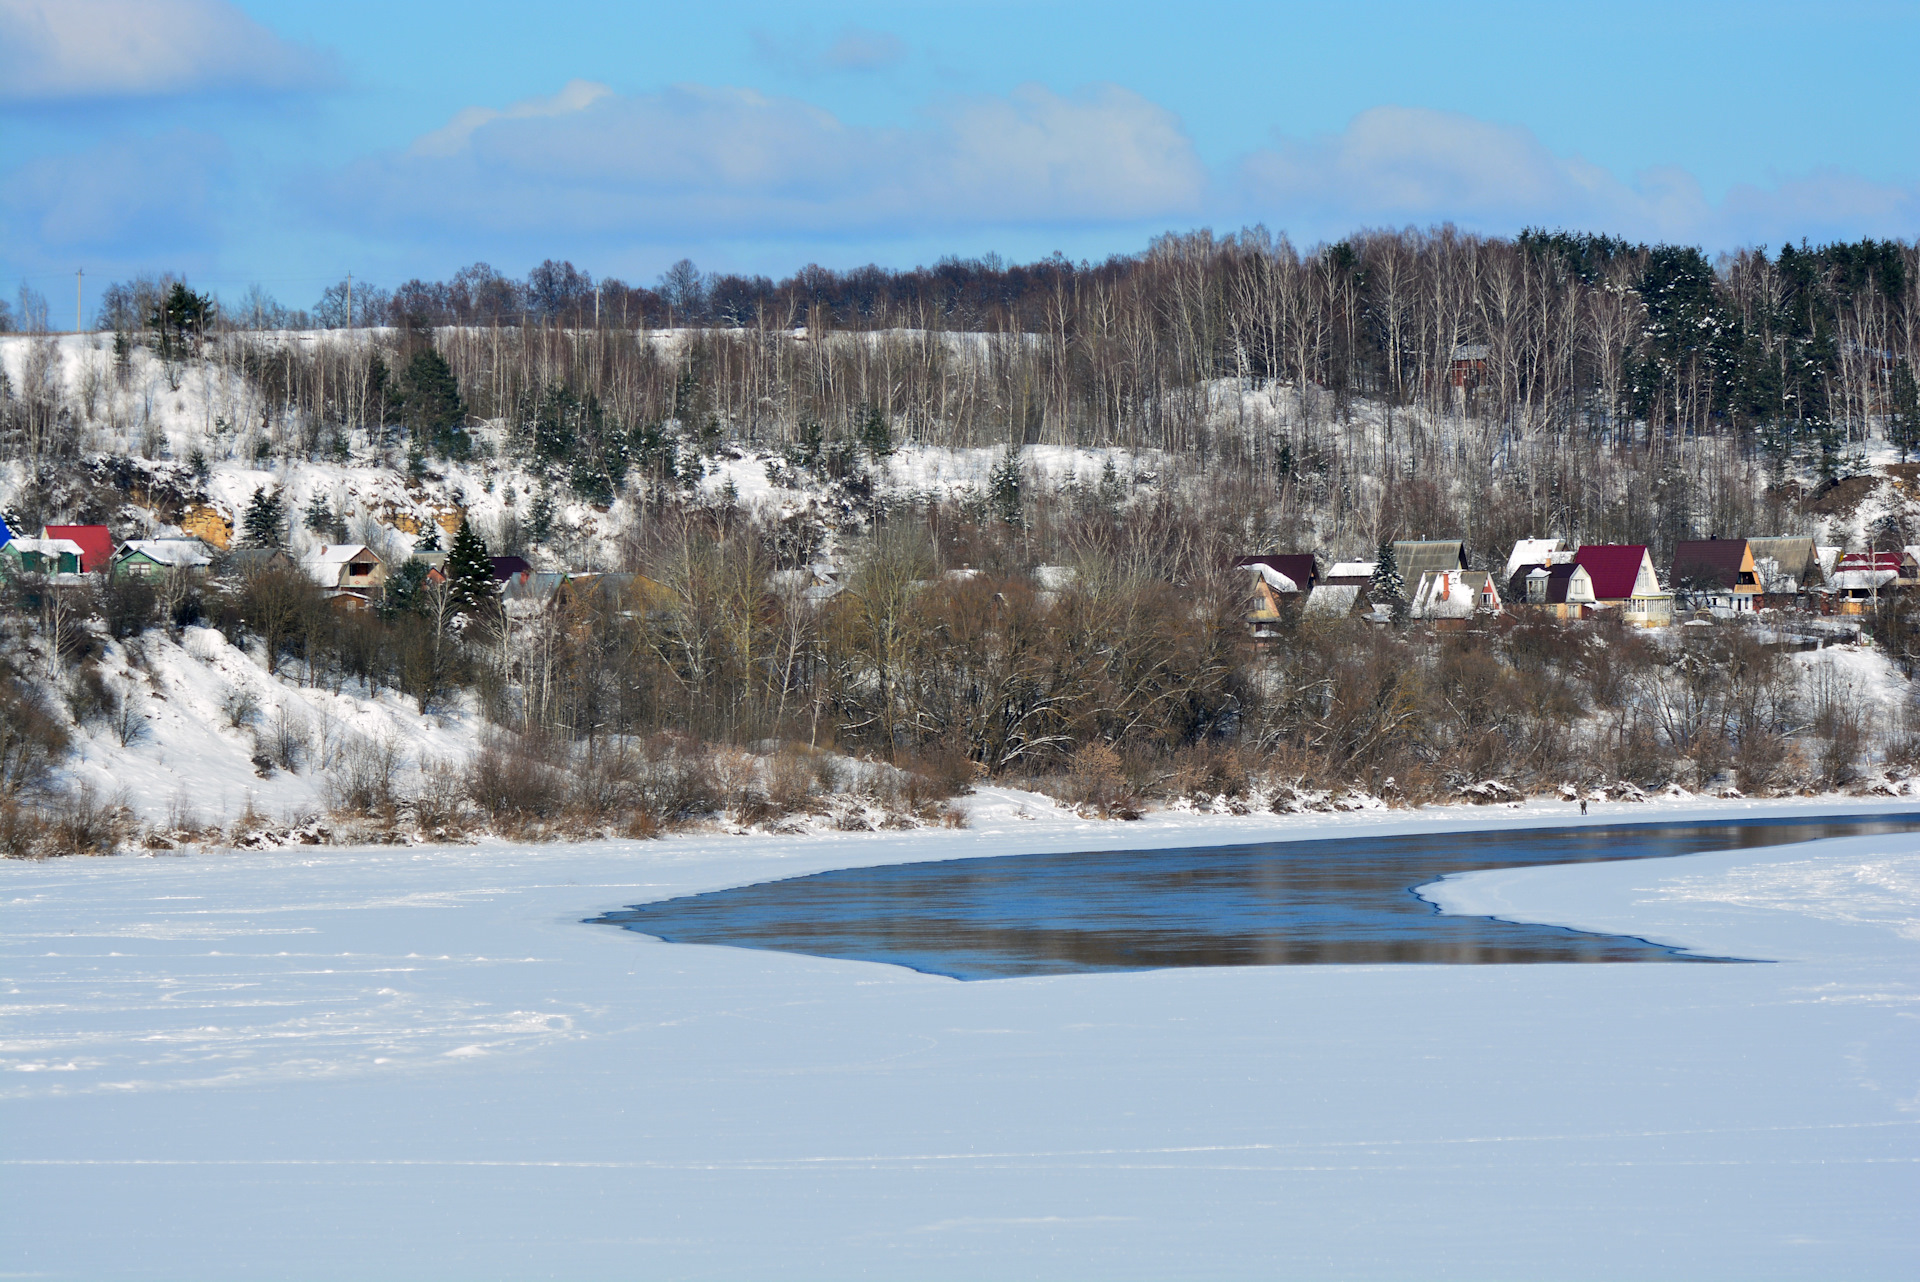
181, 552
1613, 567
1709, 563
325, 563
96, 542
1352, 570
1793, 554
1414, 557
1303, 568
1272, 578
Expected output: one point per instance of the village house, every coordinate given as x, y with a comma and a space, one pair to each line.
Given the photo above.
1449, 598
1560, 590
352, 573
1860, 579
1716, 575
1279, 582
156, 558
1786, 565
1623, 580
55, 558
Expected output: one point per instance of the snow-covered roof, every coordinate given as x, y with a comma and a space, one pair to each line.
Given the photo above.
1054, 578
1448, 594
1351, 570
1332, 600
47, 547
1860, 580
1533, 552
180, 552
1274, 579
325, 563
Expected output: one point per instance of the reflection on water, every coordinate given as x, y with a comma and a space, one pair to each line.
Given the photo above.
1296, 903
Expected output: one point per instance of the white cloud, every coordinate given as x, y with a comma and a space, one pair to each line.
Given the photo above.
64, 49
695, 160
1395, 165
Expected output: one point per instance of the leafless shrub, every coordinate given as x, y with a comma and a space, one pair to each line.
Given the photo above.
240, 707
284, 739
1096, 783
362, 778
126, 715
509, 780
32, 740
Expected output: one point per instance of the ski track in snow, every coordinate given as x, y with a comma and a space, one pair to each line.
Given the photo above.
420, 1063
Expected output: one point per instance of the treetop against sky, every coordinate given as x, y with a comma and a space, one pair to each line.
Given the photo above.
287, 143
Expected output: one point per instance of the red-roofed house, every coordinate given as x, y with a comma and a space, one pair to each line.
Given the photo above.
96, 543
1623, 579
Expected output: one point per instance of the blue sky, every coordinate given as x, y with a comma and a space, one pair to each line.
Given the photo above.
287, 143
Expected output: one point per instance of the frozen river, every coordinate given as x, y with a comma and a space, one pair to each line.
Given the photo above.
419, 1064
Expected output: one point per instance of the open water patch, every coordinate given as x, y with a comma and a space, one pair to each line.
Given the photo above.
1333, 901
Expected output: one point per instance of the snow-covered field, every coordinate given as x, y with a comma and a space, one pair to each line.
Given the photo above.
417, 1063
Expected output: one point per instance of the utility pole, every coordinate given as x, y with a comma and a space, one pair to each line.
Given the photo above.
79, 325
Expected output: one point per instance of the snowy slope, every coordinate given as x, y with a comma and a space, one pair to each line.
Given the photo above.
188, 761
418, 1063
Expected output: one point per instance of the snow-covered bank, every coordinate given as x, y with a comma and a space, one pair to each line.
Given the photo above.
417, 1063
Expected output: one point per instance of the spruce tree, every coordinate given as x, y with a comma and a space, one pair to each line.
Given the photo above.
540, 516
430, 403
1386, 587
469, 570
265, 521
875, 434
429, 540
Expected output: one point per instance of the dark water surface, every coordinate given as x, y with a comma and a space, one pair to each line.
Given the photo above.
1293, 903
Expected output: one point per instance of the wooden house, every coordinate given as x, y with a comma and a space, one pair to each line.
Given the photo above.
157, 558
1860, 580
54, 558
1785, 564
1624, 580
1449, 598
1467, 365
352, 573
1561, 590
1279, 582
1716, 575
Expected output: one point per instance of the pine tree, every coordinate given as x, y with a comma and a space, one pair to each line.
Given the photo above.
429, 540
1386, 587
265, 521
470, 583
